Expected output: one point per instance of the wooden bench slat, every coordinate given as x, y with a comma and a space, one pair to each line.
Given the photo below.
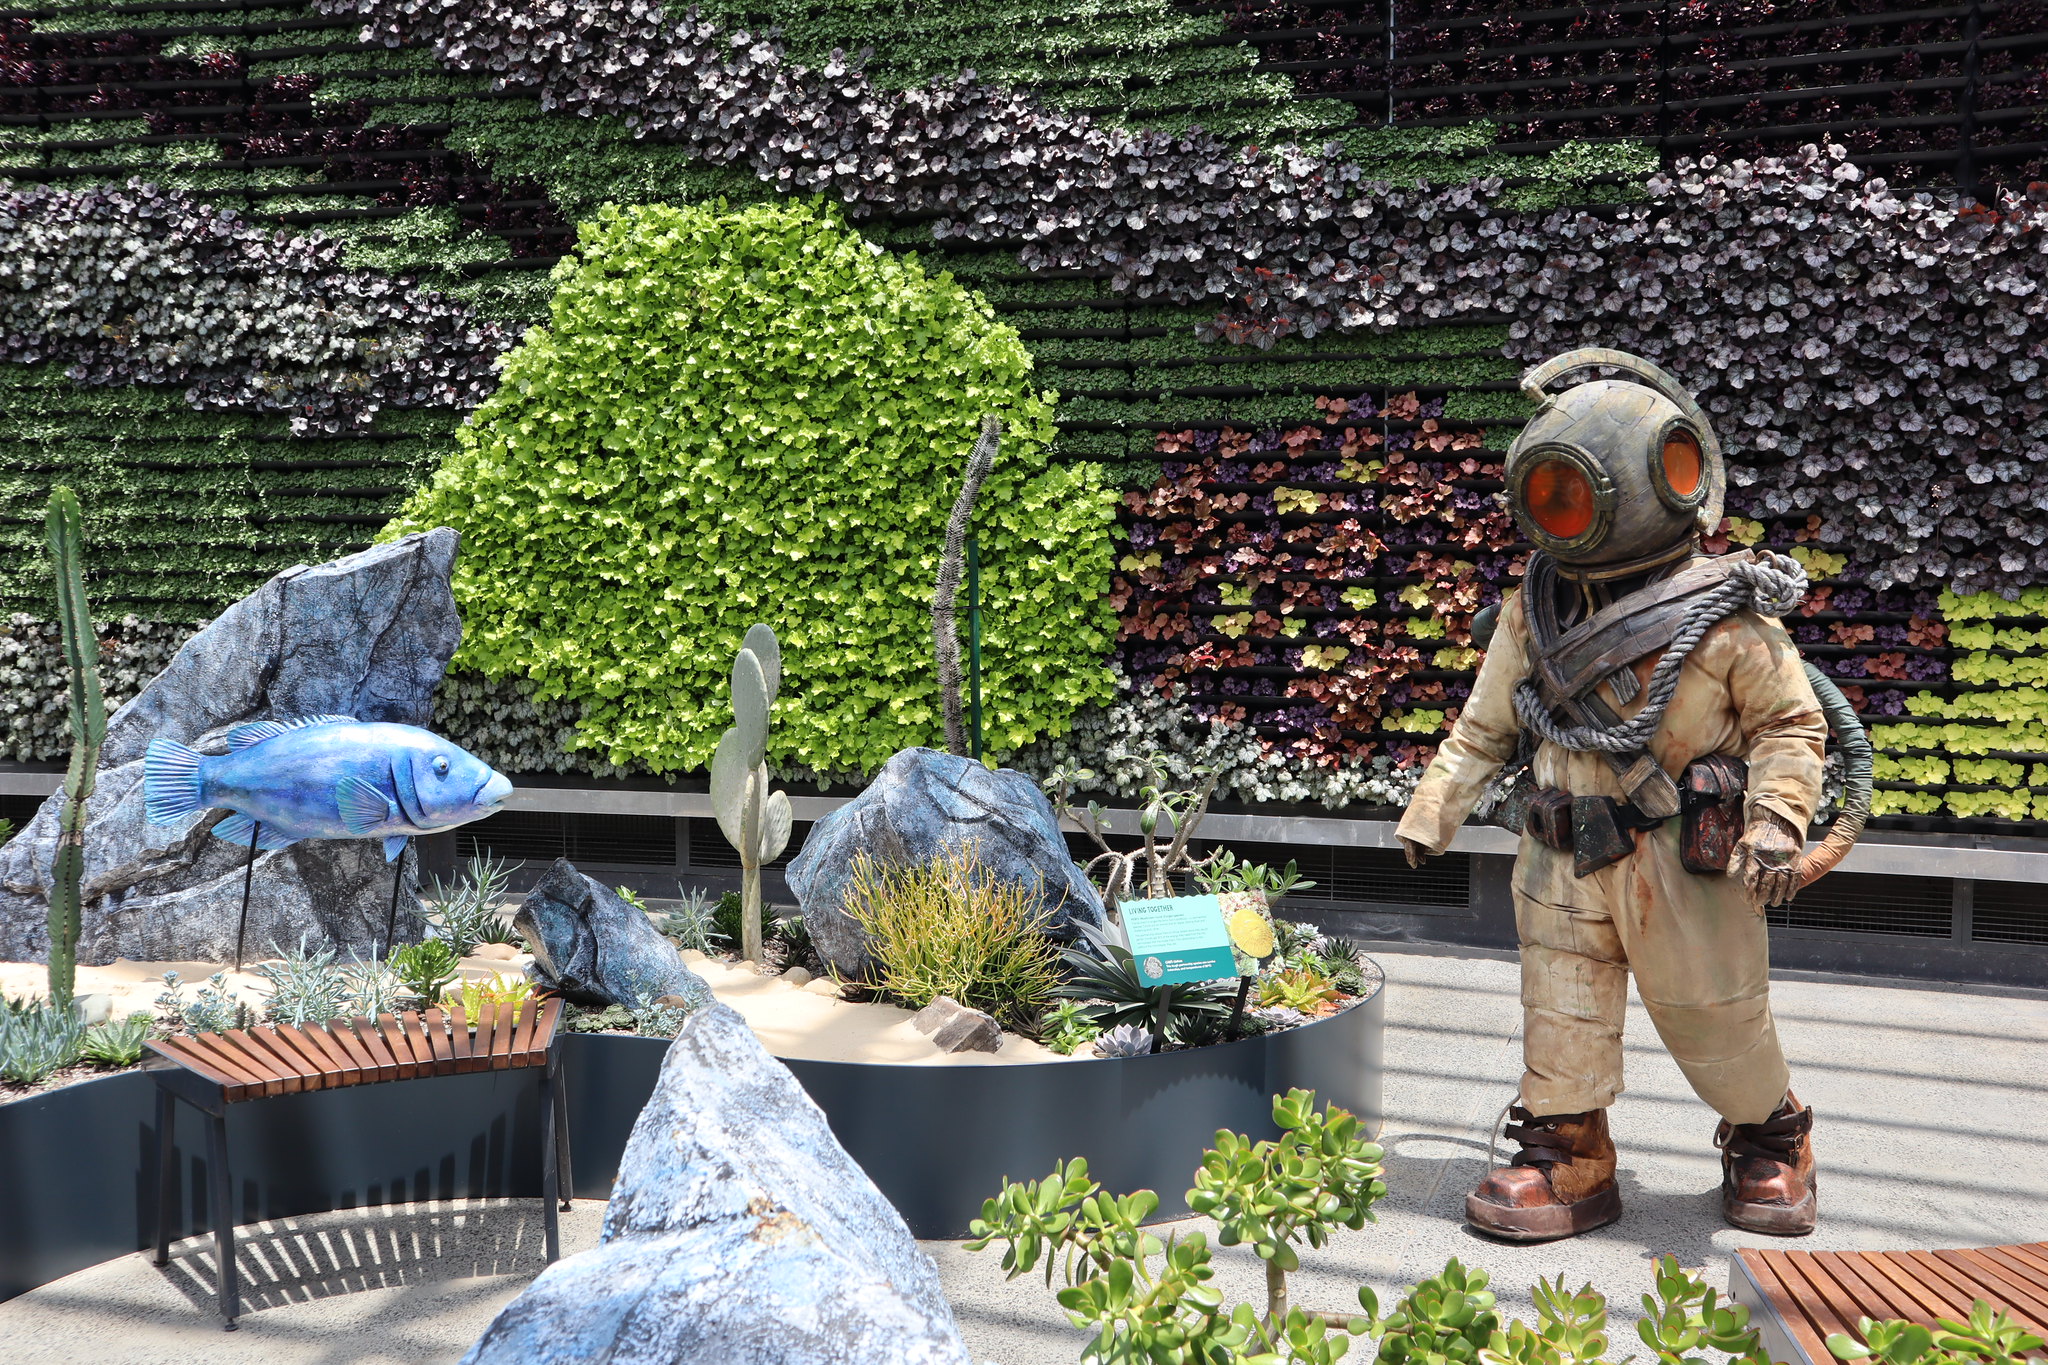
1823, 1304
416, 1039
544, 1030
314, 1069
2019, 1270
1785, 1302
437, 1040
523, 1036
1944, 1279
282, 1072
1907, 1289
1869, 1292
343, 1037
233, 1082
1999, 1285
351, 1071
458, 1037
262, 1078
501, 1041
486, 1035
373, 1043
392, 1031
2033, 1255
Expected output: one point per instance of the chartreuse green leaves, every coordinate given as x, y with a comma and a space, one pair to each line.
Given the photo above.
747, 414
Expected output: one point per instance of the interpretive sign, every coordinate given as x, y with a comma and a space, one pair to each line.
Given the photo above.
1178, 939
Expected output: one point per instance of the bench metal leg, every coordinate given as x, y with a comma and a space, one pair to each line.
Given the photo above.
166, 1171
565, 1168
223, 1201
550, 1177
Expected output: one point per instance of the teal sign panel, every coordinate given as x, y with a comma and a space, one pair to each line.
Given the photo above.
1180, 939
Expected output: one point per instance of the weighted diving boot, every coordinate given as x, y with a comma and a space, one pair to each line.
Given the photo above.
1768, 1183
1560, 1184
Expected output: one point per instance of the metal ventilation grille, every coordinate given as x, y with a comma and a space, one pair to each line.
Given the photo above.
2010, 912
19, 810
708, 847
600, 840
1861, 903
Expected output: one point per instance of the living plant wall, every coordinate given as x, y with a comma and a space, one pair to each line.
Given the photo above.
1281, 264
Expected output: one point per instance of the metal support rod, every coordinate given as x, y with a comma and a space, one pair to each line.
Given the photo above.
564, 1163
974, 643
550, 1162
397, 886
248, 881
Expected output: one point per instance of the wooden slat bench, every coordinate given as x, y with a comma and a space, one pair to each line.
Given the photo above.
211, 1071
1800, 1298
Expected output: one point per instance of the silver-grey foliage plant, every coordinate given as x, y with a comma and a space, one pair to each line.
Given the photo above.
754, 820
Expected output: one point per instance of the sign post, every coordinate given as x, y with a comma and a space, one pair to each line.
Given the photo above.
1181, 938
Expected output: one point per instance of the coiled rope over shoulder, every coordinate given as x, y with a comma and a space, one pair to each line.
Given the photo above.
1770, 585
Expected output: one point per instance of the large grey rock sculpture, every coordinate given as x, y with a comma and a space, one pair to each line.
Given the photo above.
921, 804
593, 947
367, 636
739, 1232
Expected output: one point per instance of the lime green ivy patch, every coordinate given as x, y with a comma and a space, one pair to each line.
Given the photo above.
741, 415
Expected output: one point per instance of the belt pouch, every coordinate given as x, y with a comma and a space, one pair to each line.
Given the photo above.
1549, 818
1710, 812
1598, 838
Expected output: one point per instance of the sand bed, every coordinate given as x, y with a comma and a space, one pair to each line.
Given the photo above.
808, 1021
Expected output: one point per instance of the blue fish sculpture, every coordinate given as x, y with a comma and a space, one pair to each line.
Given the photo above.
323, 777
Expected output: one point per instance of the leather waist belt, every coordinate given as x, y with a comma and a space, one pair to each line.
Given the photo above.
1599, 831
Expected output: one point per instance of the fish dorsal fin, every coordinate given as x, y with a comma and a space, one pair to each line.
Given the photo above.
362, 807
237, 828
256, 731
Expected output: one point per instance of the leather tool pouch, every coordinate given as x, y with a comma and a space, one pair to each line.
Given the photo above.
1604, 832
1710, 812
1549, 818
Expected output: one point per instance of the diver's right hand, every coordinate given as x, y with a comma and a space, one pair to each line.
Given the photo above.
1415, 851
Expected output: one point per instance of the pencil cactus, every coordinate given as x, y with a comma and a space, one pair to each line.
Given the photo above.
754, 820
65, 525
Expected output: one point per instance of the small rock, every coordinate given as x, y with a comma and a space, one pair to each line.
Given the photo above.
596, 949
796, 976
825, 986
674, 1002
496, 952
955, 1028
94, 1009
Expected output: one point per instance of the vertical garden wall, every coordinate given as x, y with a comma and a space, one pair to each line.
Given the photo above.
1296, 366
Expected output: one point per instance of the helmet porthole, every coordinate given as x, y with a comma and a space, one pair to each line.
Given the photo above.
1564, 501
1680, 468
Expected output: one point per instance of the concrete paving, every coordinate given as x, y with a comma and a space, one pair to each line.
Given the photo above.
1927, 1136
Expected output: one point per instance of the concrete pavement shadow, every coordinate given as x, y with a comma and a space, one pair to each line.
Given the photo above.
349, 1251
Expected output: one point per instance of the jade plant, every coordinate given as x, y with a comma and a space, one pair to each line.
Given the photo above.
755, 821
1148, 1298
88, 727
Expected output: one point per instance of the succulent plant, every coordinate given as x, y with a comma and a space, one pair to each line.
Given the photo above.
1125, 1040
754, 820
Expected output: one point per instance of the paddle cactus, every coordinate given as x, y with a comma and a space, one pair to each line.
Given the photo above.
754, 820
65, 526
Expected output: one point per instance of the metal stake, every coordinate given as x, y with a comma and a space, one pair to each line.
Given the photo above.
1159, 1021
1244, 989
397, 885
248, 880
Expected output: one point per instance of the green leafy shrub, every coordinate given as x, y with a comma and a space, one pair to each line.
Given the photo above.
739, 414
1990, 1337
946, 928
1066, 1026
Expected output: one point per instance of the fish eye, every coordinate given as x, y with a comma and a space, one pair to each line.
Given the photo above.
440, 765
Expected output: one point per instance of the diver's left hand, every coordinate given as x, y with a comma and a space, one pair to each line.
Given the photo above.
1766, 859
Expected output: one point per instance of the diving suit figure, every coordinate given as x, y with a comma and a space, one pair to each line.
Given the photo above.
1676, 765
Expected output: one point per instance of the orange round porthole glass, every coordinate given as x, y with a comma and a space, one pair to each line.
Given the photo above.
1682, 462
1560, 498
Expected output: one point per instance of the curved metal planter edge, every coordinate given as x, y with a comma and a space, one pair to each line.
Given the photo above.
78, 1167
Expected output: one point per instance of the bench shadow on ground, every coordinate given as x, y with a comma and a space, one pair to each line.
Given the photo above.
297, 1260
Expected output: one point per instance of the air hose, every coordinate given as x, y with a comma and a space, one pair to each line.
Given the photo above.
1857, 763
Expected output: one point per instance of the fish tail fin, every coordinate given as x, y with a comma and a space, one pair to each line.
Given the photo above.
171, 784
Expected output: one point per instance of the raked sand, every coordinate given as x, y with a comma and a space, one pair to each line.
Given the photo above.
809, 1021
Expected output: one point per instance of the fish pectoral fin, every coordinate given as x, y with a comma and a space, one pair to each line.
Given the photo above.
171, 786
237, 828
362, 807
394, 846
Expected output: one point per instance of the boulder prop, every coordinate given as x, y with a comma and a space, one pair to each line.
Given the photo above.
594, 948
739, 1231
367, 636
921, 804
